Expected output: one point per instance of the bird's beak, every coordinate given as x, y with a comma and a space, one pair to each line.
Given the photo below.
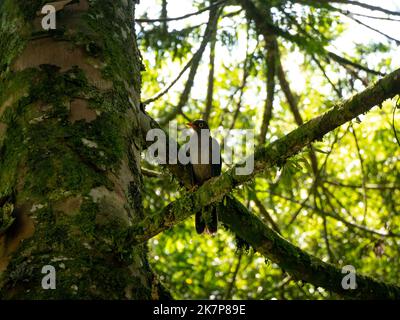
189, 124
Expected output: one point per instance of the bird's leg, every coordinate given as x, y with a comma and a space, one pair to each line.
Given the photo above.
193, 188
192, 180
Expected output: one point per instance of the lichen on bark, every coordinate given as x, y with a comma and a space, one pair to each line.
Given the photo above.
69, 157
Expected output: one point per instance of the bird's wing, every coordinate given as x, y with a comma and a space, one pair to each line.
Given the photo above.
215, 156
186, 149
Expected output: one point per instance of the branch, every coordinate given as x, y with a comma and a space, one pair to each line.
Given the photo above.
346, 62
234, 276
245, 75
172, 83
264, 213
184, 16
364, 5
276, 153
211, 26
265, 28
334, 215
293, 105
327, 4
290, 98
363, 173
374, 29
367, 186
164, 16
297, 263
272, 52
150, 173
347, 12
211, 74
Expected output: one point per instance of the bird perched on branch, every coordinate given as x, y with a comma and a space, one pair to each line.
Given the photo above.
205, 157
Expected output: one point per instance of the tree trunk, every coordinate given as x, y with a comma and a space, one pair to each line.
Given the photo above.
70, 180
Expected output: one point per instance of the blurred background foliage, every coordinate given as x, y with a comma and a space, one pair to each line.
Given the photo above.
346, 210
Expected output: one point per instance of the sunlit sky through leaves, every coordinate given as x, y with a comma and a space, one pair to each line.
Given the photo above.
355, 33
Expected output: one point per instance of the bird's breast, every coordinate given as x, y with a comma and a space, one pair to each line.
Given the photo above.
202, 157
202, 172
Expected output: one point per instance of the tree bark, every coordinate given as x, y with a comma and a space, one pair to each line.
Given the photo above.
70, 154
271, 46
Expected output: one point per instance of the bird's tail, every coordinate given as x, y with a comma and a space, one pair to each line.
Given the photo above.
207, 220
212, 224
200, 223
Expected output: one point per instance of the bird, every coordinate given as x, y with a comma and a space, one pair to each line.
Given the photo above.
205, 157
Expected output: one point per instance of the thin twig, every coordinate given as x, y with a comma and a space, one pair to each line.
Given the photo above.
337, 217
151, 173
294, 108
366, 6
321, 67
326, 4
212, 24
211, 73
363, 173
181, 17
393, 120
165, 91
264, 213
331, 195
374, 29
348, 12
367, 186
316, 179
234, 276
325, 229
245, 75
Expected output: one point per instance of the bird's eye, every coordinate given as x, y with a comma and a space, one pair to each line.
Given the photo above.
201, 125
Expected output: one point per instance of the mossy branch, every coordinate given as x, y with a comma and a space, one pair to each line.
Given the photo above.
296, 262
280, 150
293, 260
275, 153
299, 264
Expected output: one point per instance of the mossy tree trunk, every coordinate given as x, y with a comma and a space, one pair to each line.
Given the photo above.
70, 182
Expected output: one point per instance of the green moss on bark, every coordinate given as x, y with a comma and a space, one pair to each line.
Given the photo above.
66, 173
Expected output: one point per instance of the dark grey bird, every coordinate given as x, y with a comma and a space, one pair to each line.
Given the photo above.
205, 157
